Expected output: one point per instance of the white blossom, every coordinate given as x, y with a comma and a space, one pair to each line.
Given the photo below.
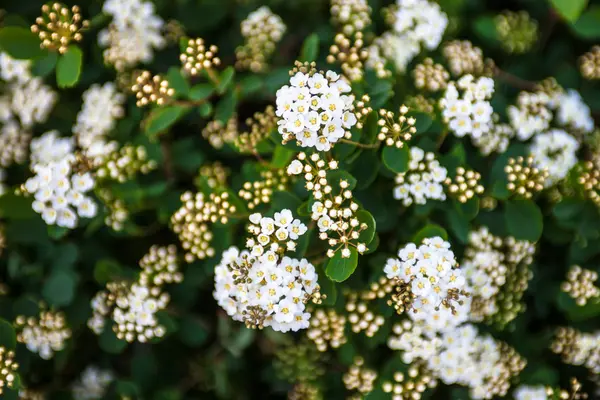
93, 384
525, 392
423, 180
14, 70
555, 151
572, 112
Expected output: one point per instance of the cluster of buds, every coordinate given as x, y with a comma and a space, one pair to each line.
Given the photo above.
589, 64
191, 222
360, 315
334, 212
45, 334
262, 30
517, 31
578, 348
260, 192
410, 384
327, 329
350, 53
215, 174
574, 393
150, 89
117, 211
58, 26
430, 76
395, 131
259, 127
359, 378
198, 57
580, 285
123, 164
588, 177
497, 270
464, 58
217, 133
362, 109
465, 184
14, 144
305, 391
299, 363
351, 16
524, 180
8, 369
133, 306
421, 103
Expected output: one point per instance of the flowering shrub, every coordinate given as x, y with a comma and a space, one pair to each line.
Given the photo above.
307, 199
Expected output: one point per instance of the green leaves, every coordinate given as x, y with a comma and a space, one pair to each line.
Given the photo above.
310, 48
587, 25
225, 80
162, 118
395, 159
68, 67
524, 220
7, 335
59, 289
339, 268
20, 43
570, 10
429, 231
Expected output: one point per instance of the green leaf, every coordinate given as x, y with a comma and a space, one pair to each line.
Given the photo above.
110, 343
587, 25
339, 269
310, 48
282, 157
570, 10
15, 207
485, 27
524, 220
367, 235
59, 289
429, 231
201, 91
225, 80
8, 338
250, 84
106, 271
43, 66
68, 67
20, 43
127, 389
178, 82
395, 159
192, 332
226, 107
162, 118
281, 200
336, 176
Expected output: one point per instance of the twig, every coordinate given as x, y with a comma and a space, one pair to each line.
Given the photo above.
551, 21
362, 145
165, 148
514, 81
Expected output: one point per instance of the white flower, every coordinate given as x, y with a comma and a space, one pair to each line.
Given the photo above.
555, 151
93, 384
573, 112
531, 115
295, 168
11, 69
422, 181
525, 392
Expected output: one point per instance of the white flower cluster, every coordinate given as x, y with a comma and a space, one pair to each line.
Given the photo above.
334, 213
265, 293
429, 273
102, 105
466, 107
531, 115
13, 144
421, 22
392, 47
573, 113
314, 110
92, 384
133, 307
555, 151
423, 180
262, 30
526, 392
496, 139
45, 334
14, 70
270, 232
459, 356
59, 192
28, 102
133, 35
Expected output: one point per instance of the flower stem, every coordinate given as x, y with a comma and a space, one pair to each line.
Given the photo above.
361, 145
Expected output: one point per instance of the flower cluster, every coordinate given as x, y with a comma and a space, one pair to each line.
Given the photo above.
334, 212
218, 133
58, 26
265, 291
395, 132
262, 30
497, 273
517, 31
123, 164
150, 89
589, 64
525, 392
464, 58
314, 109
28, 102
580, 285
494, 140
191, 222
573, 113
578, 348
13, 144
468, 111
133, 35
260, 192
434, 288
327, 329
133, 307
359, 378
259, 127
215, 174
411, 384
465, 184
588, 178
93, 384
460, 356
361, 316
45, 334
299, 363
423, 180
102, 106
8, 369
554, 151
14, 70
268, 235
351, 15
198, 57
429, 76
524, 179
350, 52
531, 115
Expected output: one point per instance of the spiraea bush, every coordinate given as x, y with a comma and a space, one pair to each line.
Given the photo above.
307, 199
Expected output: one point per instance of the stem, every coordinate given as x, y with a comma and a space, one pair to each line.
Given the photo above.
165, 148
514, 81
441, 139
187, 103
213, 76
361, 145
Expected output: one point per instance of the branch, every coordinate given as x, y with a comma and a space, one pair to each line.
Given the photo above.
514, 81
361, 145
167, 164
